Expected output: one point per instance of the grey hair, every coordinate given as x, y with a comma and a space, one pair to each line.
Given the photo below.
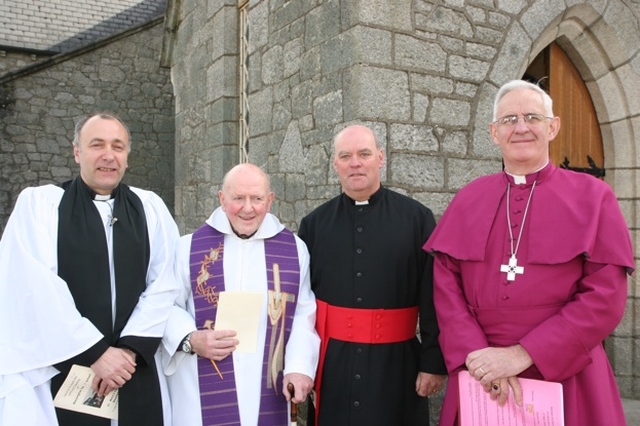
512, 85
105, 116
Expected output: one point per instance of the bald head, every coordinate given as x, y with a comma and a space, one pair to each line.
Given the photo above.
246, 198
245, 172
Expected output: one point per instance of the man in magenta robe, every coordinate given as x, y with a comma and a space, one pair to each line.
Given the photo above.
531, 271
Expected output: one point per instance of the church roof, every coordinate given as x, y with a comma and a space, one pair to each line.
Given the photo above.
61, 25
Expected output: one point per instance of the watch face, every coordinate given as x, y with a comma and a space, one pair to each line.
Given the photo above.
186, 347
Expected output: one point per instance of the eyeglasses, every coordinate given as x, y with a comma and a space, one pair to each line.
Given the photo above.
512, 120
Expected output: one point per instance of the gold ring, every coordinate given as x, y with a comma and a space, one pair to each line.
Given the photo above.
482, 371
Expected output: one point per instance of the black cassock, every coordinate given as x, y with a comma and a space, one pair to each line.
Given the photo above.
370, 256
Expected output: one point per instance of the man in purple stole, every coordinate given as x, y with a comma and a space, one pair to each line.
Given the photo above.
531, 271
241, 248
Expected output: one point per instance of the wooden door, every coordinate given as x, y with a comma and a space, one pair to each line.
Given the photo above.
578, 145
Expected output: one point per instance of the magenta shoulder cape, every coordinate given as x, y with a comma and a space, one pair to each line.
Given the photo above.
572, 214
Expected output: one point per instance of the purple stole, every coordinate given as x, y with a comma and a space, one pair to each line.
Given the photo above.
218, 398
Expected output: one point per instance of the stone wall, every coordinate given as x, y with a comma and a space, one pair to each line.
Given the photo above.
12, 60
205, 79
39, 106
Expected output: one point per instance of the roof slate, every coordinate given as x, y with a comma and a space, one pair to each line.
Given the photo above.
63, 25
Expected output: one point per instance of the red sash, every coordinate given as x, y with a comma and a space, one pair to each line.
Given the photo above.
369, 326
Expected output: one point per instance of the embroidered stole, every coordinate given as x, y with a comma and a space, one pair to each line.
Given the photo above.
218, 398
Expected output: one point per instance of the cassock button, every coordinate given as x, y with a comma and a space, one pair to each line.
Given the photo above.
377, 337
505, 297
359, 274
378, 316
356, 403
350, 325
359, 299
357, 377
359, 350
359, 250
359, 229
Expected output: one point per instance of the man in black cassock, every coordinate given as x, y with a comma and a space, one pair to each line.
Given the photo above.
82, 281
372, 282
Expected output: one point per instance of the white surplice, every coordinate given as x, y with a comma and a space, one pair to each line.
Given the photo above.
244, 270
39, 323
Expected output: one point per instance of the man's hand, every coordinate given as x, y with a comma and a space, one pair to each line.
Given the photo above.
113, 369
214, 344
499, 390
490, 364
302, 386
497, 370
429, 384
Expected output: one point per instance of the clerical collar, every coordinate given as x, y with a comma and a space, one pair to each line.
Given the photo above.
99, 197
372, 199
522, 179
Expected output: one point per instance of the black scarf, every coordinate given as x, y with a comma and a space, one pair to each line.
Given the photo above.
83, 262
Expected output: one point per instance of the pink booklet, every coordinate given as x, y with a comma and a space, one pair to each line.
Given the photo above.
542, 404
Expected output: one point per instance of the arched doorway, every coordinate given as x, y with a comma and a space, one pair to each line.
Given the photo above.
578, 146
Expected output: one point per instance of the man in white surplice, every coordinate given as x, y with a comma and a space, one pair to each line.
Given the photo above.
244, 220
41, 324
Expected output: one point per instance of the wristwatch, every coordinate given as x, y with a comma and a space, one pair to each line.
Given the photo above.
185, 346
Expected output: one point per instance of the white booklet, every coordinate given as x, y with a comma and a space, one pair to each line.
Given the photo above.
240, 311
76, 394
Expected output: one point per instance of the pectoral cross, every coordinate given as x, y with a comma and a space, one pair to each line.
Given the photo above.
512, 268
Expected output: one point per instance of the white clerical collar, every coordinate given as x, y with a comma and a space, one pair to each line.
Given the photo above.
519, 179
522, 179
99, 197
361, 203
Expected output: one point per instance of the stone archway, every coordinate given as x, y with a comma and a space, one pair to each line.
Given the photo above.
604, 55
604, 61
